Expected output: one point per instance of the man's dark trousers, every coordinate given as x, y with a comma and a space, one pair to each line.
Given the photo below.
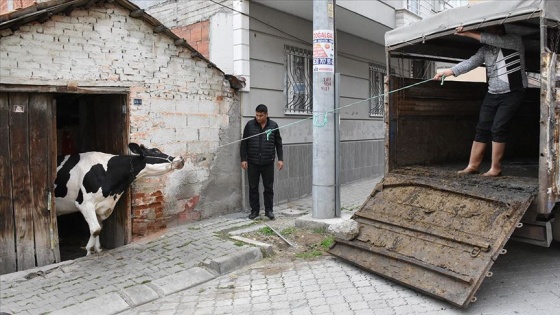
255, 172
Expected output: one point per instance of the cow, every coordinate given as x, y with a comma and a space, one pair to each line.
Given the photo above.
93, 182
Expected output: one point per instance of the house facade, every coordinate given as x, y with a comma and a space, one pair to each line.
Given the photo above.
269, 44
79, 76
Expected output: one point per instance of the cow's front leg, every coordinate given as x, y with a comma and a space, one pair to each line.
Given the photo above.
94, 227
90, 245
97, 245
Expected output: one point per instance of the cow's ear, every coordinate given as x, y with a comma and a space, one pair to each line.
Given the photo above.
135, 148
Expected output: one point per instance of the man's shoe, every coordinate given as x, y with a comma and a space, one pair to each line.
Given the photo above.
269, 215
253, 215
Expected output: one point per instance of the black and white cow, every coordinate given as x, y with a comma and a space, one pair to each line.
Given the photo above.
93, 182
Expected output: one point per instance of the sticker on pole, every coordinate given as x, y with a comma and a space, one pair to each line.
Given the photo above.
323, 51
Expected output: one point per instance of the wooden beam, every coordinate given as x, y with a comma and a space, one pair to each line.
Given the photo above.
69, 9
160, 28
137, 13
45, 17
89, 4
180, 42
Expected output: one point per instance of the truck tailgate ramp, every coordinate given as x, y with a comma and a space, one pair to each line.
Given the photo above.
437, 234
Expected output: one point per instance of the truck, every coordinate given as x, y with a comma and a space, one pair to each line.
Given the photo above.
426, 226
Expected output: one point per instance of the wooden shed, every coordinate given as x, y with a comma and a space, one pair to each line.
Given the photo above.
94, 75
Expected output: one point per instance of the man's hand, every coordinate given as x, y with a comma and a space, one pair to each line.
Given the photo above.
472, 34
244, 165
280, 165
446, 72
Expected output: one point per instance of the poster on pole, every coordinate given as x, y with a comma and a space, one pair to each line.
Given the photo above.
323, 51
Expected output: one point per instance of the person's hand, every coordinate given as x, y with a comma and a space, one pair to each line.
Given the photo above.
472, 34
445, 72
244, 165
280, 165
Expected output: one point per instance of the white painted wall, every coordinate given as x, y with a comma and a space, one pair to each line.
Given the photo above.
221, 41
268, 70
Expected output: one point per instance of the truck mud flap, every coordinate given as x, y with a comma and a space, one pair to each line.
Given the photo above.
439, 235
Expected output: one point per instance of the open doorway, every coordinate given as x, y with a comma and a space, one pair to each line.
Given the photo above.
92, 122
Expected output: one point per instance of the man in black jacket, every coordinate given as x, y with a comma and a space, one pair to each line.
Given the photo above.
262, 141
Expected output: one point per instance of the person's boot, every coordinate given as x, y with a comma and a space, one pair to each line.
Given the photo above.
253, 215
269, 215
498, 149
477, 154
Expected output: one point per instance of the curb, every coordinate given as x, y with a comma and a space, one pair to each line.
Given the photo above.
116, 302
228, 263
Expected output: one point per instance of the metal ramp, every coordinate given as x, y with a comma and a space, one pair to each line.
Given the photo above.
435, 232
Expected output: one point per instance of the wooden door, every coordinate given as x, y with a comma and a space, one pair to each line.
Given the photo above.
104, 129
29, 234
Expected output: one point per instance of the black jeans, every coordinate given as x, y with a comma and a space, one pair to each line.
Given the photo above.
255, 172
495, 115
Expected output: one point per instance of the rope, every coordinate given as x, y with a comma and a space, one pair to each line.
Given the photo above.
315, 117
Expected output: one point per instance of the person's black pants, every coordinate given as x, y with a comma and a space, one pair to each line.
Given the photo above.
255, 172
496, 112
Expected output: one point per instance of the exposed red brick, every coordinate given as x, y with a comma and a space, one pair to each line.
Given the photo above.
182, 32
20, 4
204, 48
3, 6
205, 33
196, 35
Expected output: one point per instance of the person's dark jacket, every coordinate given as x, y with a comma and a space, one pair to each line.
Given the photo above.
261, 150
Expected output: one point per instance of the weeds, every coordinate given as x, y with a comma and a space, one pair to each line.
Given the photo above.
266, 231
309, 254
288, 231
327, 242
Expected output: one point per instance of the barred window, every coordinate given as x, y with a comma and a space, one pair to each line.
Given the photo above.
376, 90
299, 80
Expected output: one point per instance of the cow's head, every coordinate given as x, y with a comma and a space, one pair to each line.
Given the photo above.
156, 162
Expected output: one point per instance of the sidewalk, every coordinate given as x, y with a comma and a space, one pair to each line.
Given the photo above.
121, 279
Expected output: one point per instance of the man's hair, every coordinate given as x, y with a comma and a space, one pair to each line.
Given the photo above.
262, 109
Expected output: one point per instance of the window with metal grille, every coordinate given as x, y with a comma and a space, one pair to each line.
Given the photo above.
299, 80
376, 90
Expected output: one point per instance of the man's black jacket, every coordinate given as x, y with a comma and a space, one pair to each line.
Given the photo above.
261, 149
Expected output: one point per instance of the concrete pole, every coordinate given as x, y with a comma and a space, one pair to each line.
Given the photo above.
324, 162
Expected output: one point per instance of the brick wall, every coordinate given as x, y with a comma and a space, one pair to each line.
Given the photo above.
11, 5
3, 6
186, 109
197, 35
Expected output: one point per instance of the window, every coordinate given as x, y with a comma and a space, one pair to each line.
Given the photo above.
413, 6
376, 90
299, 80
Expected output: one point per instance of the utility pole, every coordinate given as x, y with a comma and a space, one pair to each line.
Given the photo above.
325, 122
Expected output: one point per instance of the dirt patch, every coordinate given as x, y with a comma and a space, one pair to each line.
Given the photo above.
308, 243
